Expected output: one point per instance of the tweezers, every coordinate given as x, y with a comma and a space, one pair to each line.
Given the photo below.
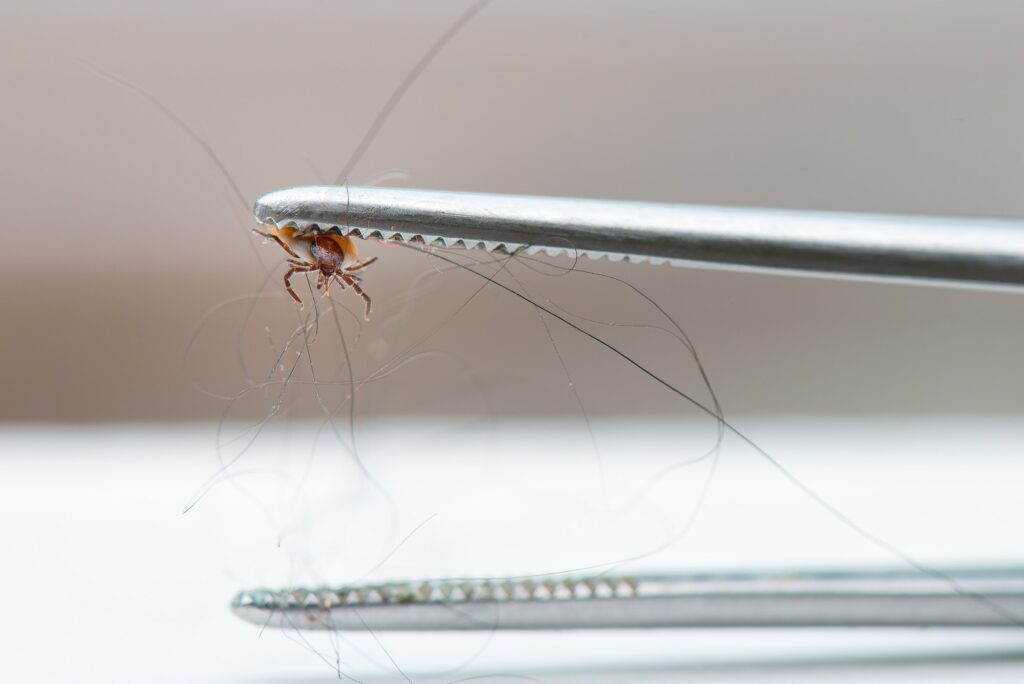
910, 248
913, 248
982, 598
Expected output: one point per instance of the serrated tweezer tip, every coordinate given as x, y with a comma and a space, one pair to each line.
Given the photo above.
824, 243
979, 597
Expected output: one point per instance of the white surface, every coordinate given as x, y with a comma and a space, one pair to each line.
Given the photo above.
106, 580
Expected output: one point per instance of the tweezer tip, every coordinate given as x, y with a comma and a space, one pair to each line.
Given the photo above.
292, 204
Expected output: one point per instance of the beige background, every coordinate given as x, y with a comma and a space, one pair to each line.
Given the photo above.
120, 233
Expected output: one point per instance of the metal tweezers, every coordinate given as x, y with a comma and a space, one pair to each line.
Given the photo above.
965, 250
912, 248
984, 598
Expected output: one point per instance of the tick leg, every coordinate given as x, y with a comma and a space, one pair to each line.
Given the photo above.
347, 279
302, 268
360, 265
324, 281
271, 236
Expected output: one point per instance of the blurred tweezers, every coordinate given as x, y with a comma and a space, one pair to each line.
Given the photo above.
966, 250
984, 598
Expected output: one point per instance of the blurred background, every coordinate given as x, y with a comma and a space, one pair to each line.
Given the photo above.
861, 106
134, 299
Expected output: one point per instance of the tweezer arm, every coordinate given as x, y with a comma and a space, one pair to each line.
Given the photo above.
873, 245
989, 598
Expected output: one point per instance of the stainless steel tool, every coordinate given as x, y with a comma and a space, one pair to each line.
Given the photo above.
827, 243
822, 599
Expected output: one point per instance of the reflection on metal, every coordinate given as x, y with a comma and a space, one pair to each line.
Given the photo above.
867, 245
975, 598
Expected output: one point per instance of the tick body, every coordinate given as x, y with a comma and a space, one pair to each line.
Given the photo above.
332, 257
